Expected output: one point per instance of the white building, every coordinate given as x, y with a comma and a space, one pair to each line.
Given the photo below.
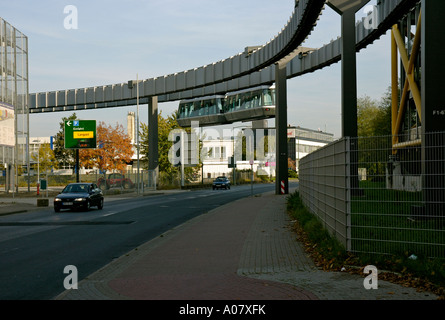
218, 146
302, 141
217, 151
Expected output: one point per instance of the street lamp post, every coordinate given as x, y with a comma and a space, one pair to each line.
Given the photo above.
130, 86
38, 169
38, 166
234, 152
137, 130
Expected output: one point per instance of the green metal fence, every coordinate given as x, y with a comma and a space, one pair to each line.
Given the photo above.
391, 202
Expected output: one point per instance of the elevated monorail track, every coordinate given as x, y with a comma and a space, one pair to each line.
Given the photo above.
238, 72
291, 36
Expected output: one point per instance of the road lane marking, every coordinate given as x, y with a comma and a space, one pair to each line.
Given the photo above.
109, 214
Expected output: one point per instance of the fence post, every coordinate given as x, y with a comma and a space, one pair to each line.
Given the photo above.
348, 192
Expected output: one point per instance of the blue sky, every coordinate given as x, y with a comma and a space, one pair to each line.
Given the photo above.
116, 40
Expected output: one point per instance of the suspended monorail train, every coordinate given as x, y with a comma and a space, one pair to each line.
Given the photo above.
245, 105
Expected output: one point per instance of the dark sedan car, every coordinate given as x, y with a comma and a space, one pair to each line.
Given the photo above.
221, 182
79, 196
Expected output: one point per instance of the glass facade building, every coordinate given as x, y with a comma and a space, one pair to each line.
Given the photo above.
14, 89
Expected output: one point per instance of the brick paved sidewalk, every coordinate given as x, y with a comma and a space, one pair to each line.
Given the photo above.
244, 250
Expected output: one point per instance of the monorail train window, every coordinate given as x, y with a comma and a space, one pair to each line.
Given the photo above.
188, 109
227, 104
248, 100
230, 104
192, 110
196, 107
233, 102
268, 97
243, 102
237, 102
208, 107
256, 99
182, 113
185, 109
205, 106
220, 105
211, 108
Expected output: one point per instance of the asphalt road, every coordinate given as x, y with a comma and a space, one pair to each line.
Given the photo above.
35, 247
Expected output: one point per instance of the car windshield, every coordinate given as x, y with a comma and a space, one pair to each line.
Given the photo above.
76, 188
220, 179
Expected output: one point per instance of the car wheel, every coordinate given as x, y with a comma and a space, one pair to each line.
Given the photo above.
126, 185
101, 204
56, 209
88, 206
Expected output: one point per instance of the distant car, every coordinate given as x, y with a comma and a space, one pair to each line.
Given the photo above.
115, 180
221, 182
79, 196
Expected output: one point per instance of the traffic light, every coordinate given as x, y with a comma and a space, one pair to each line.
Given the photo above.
231, 162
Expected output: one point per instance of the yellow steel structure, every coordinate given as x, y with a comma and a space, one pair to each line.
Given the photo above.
398, 111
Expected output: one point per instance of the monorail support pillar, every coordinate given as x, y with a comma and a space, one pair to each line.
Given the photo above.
347, 10
153, 151
433, 107
282, 180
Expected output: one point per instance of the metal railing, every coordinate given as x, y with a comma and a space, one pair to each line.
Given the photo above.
382, 199
110, 182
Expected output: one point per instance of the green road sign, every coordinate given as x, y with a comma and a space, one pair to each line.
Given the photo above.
80, 134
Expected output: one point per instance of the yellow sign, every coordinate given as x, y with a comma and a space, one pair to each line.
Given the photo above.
83, 134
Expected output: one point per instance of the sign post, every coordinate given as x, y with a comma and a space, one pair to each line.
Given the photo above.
251, 178
80, 134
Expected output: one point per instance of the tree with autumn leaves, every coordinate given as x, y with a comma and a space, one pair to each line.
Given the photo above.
114, 149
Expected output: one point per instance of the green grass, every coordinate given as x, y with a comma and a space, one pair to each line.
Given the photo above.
382, 221
401, 262
328, 247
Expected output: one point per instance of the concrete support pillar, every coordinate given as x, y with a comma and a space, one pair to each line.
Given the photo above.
282, 180
433, 107
349, 93
347, 10
153, 151
348, 75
